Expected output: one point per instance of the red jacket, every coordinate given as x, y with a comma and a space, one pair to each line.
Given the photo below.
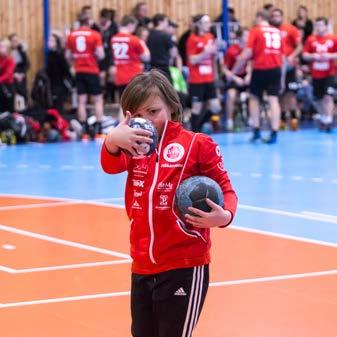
7, 67
159, 240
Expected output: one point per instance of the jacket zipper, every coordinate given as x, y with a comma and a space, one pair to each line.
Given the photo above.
154, 183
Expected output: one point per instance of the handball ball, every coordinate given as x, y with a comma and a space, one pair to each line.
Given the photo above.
141, 123
193, 192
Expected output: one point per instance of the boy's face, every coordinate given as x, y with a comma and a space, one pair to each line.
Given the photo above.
155, 110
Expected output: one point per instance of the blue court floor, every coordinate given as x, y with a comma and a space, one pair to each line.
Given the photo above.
289, 188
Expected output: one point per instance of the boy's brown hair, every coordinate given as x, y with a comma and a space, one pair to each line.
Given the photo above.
151, 84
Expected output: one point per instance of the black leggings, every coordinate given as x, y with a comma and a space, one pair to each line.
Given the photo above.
6, 97
168, 304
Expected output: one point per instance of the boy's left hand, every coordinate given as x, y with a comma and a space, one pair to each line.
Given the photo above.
215, 218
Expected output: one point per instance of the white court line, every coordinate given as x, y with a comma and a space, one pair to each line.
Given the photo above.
247, 207
212, 284
71, 266
108, 199
256, 175
296, 178
45, 204
65, 200
287, 213
316, 214
283, 236
63, 242
7, 270
317, 180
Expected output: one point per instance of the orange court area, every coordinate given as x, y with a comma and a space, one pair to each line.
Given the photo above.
65, 271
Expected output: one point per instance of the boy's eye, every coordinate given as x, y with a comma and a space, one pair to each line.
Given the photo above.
154, 111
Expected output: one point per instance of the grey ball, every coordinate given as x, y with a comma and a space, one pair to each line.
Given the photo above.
142, 123
193, 192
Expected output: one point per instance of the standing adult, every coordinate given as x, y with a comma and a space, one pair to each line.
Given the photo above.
128, 52
201, 55
107, 27
19, 54
320, 50
58, 71
292, 47
264, 47
303, 23
84, 46
162, 47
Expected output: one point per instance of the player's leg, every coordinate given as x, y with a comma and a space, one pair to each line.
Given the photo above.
273, 87
327, 110
141, 306
327, 104
288, 101
319, 91
213, 104
196, 94
255, 97
82, 98
275, 113
230, 105
95, 89
178, 299
81, 109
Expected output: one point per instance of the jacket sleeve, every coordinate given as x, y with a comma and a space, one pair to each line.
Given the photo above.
113, 163
211, 165
8, 71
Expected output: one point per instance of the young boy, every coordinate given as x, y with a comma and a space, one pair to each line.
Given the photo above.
170, 256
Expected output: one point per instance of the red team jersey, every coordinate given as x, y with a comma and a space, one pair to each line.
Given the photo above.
266, 44
126, 51
321, 44
231, 56
202, 72
291, 37
82, 43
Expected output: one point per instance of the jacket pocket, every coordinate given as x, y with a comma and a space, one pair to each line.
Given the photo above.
189, 232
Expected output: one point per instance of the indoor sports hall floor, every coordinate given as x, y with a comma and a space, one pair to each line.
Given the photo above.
64, 264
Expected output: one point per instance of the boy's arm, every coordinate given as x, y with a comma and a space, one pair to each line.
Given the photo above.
212, 166
113, 162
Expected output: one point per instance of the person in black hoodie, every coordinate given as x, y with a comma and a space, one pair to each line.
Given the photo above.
161, 46
58, 71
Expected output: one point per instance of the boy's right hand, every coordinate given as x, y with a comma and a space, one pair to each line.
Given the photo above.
127, 138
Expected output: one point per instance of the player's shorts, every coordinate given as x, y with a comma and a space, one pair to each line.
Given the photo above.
268, 81
291, 84
202, 92
233, 85
323, 87
120, 89
88, 84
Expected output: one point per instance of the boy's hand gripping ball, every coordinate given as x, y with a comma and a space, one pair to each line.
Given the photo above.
142, 123
193, 192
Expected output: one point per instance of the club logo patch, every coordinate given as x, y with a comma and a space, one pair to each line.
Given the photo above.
173, 152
